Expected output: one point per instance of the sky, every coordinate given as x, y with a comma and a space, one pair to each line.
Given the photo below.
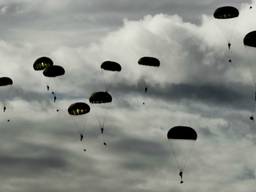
194, 86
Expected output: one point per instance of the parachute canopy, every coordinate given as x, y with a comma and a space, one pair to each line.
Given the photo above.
54, 71
226, 12
111, 66
4, 81
100, 97
250, 39
42, 63
182, 132
149, 61
78, 108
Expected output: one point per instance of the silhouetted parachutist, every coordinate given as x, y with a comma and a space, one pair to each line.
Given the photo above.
181, 174
146, 89
8, 120
230, 61
85, 150
105, 144
54, 98
57, 110
102, 130
250, 7
4, 108
53, 93
229, 45
47, 87
81, 137
252, 118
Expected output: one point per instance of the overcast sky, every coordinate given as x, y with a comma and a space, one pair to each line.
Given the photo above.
194, 86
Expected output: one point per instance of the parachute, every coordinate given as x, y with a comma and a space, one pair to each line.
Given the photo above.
54, 71
149, 61
226, 12
109, 71
226, 16
250, 39
42, 63
249, 42
111, 66
182, 139
5, 81
100, 97
182, 132
78, 108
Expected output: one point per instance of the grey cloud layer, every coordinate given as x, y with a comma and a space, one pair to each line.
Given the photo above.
195, 86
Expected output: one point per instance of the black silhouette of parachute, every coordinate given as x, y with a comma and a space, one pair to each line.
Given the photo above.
42, 63
226, 12
111, 66
100, 97
250, 39
78, 108
54, 71
149, 61
4, 81
182, 132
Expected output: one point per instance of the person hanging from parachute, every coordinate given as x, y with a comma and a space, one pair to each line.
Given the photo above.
4, 82
53, 72
250, 41
76, 110
148, 62
181, 175
224, 13
47, 87
101, 98
81, 136
178, 135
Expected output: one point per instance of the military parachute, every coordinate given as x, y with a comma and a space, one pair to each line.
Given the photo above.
182, 139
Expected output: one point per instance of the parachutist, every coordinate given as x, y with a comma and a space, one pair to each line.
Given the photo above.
8, 120
57, 110
47, 87
250, 7
81, 137
230, 61
85, 150
143, 103
54, 98
4, 108
146, 90
252, 118
105, 144
102, 130
181, 174
53, 93
229, 45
